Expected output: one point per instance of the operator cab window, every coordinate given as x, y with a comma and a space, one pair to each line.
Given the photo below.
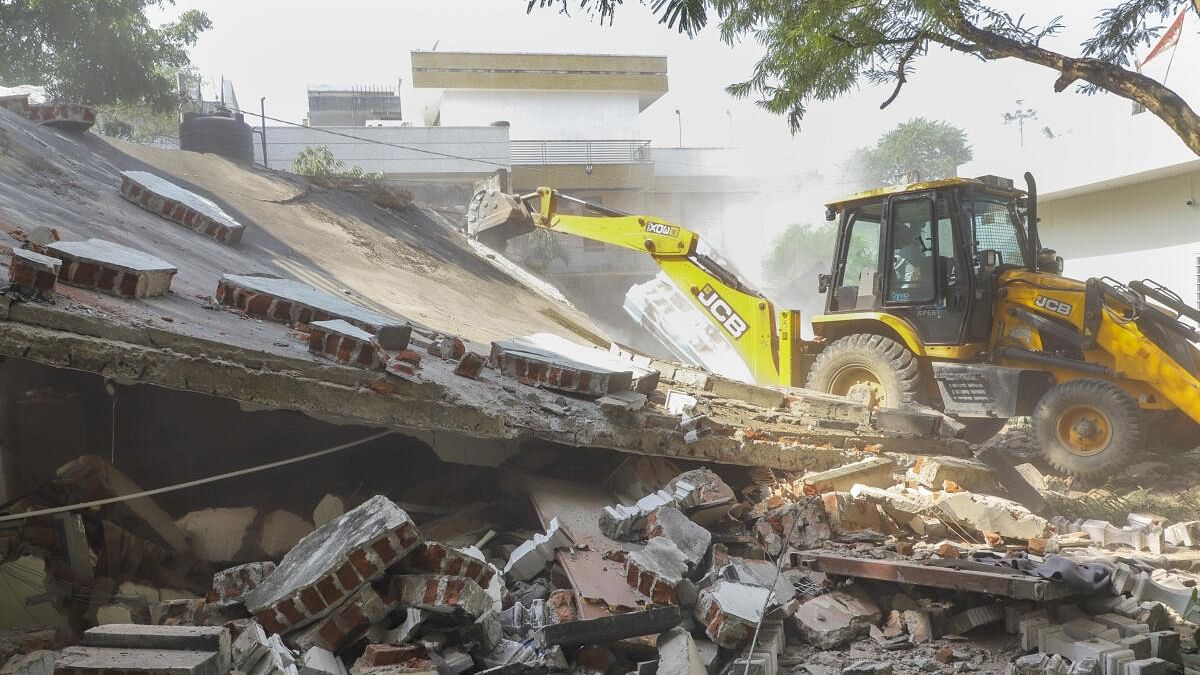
997, 229
912, 270
856, 282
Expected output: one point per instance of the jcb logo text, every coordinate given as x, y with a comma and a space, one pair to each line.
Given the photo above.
722, 312
662, 228
1052, 305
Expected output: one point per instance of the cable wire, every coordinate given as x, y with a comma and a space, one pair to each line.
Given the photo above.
771, 592
193, 483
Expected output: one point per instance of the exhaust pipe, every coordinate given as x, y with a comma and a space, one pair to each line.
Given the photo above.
1031, 217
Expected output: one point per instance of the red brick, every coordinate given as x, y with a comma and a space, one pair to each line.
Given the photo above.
83, 273
259, 305
129, 285
348, 577
290, 612
470, 365
329, 590
106, 278
362, 564
391, 655
331, 634
384, 548
312, 600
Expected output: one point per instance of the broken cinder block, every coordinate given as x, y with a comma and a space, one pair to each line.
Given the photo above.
331, 563
111, 268
530, 558
873, 471
180, 205
835, 619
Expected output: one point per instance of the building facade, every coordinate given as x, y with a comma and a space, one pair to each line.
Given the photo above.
353, 106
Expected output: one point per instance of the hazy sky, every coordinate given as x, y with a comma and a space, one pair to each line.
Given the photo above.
275, 49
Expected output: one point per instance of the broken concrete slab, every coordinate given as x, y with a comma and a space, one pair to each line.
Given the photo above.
1137, 537
292, 302
729, 611
909, 510
556, 363
677, 654
102, 660
180, 205
872, 471
699, 490
612, 628
656, 570
214, 639
345, 343
985, 513
848, 514
33, 273
112, 268
331, 563
934, 472
688, 537
835, 619
530, 558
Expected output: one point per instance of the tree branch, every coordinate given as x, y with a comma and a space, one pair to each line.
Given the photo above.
900, 74
1153, 95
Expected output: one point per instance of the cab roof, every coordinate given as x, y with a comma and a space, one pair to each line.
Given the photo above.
875, 193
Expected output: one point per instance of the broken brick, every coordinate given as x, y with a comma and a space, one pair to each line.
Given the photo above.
729, 611
345, 343
230, 585
33, 273
470, 365
346, 623
656, 570
68, 116
555, 363
436, 558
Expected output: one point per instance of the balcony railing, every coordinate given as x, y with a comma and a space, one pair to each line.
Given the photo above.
580, 152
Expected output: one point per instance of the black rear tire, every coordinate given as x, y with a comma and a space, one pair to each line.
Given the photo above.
1088, 427
863, 356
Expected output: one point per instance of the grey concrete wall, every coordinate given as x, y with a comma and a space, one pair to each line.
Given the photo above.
473, 150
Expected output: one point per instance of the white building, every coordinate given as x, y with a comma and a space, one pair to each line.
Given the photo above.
1138, 226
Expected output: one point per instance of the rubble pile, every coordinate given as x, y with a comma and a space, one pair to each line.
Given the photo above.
679, 572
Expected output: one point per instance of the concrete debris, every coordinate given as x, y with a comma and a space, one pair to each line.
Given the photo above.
318, 661
457, 597
657, 570
985, 513
219, 535
346, 343
638, 476
968, 474
102, 660
835, 619
1141, 537
39, 662
331, 563
1183, 534
530, 558
801, 525
329, 508
729, 611
677, 654
688, 537
628, 523
872, 471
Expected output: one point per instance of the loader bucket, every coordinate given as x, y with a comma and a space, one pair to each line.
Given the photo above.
494, 217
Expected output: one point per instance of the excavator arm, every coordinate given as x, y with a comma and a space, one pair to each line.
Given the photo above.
743, 316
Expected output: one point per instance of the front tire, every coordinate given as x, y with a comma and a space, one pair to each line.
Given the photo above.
1088, 427
871, 363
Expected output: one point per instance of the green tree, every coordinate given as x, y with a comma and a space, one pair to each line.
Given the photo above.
818, 50
96, 51
318, 160
919, 149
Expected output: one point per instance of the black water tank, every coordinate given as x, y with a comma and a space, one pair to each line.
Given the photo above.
221, 134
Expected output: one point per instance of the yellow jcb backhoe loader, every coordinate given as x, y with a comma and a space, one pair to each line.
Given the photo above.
941, 294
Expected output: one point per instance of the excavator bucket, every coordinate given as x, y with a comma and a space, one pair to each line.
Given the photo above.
494, 217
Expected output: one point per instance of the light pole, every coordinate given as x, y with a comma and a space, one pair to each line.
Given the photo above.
679, 122
1018, 117
262, 108
729, 114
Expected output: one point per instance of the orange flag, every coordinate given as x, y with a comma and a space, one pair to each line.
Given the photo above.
1168, 40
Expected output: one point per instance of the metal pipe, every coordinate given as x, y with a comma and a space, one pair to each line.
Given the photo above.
1031, 215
